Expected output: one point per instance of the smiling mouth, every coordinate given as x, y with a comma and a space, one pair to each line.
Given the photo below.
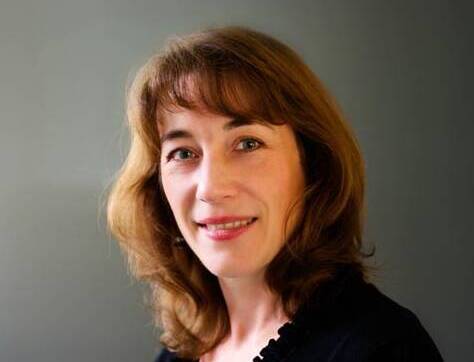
227, 226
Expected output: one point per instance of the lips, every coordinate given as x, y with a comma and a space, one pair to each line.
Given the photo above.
223, 219
227, 234
228, 223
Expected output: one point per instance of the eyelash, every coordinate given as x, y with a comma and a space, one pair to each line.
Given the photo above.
171, 154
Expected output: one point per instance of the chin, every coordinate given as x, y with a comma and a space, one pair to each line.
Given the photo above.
226, 272
232, 270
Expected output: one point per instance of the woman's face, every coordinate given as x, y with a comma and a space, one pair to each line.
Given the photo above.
214, 166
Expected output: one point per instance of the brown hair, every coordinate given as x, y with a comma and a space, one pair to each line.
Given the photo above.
235, 71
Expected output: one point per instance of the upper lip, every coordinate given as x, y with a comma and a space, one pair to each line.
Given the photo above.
223, 219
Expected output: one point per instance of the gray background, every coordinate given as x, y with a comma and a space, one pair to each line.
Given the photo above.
402, 72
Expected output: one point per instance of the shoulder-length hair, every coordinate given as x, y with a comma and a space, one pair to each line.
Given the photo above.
235, 71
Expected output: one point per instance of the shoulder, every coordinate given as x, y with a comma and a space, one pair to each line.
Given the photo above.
363, 324
351, 320
389, 331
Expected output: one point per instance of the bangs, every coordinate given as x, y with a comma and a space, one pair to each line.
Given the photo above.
218, 82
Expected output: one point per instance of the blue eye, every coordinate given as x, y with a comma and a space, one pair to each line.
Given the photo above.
250, 141
182, 151
186, 154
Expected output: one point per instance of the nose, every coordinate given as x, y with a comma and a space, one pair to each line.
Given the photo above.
215, 181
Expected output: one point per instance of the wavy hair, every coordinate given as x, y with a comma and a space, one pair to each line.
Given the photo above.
237, 72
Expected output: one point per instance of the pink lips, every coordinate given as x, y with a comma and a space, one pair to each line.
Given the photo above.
226, 234
223, 219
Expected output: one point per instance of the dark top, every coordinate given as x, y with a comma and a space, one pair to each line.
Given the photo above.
347, 320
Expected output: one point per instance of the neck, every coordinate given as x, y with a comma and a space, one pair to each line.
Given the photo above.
255, 313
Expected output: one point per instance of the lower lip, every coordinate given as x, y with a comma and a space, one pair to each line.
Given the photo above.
227, 234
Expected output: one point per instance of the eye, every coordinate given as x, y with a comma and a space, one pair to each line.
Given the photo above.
252, 142
179, 151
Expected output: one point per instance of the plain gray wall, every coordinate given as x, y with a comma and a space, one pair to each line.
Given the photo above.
402, 72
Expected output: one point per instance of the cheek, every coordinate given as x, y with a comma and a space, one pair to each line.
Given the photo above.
274, 177
265, 178
171, 188
270, 186
282, 184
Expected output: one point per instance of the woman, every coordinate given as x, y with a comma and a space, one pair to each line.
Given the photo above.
241, 204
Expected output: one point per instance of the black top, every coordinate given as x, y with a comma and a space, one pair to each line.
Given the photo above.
347, 320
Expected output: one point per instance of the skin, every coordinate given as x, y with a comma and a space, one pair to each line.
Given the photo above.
250, 170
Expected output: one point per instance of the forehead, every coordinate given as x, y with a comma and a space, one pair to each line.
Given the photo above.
180, 124
196, 117
180, 115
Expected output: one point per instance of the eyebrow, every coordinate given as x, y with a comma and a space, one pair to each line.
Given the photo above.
233, 123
